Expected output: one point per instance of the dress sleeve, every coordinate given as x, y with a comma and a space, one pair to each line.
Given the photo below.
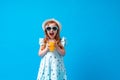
63, 41
41, 41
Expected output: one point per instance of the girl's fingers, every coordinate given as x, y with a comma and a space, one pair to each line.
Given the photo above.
55, 42
48, 45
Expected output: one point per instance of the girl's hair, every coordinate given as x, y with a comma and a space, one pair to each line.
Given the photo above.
57, 36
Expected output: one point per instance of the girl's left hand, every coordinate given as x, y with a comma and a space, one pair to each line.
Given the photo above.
56, 45
60, 50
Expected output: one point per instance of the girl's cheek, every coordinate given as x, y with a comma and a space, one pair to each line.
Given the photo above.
55, 33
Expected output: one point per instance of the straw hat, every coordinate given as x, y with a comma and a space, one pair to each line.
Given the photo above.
43, 25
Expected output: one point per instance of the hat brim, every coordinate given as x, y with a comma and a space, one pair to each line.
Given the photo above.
43, 25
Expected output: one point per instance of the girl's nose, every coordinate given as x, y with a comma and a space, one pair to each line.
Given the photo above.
51, 30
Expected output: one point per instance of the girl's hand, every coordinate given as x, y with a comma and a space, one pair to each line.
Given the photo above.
60, 50
47, 47
56, 45
44, 51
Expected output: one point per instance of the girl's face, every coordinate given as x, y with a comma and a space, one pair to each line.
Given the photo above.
52, 29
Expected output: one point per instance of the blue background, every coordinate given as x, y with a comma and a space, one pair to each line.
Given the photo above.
92, 29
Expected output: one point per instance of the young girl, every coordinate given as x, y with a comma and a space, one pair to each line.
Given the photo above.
52, 52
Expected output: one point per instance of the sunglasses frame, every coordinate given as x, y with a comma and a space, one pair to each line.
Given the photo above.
52, 28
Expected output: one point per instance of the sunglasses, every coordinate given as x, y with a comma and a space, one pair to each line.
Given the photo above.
53, 28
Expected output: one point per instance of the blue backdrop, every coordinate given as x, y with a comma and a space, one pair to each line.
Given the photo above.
92, 29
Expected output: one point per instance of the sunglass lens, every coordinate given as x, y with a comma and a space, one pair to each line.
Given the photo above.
55, 28
48, 28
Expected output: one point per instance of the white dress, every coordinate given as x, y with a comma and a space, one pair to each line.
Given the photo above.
52, 65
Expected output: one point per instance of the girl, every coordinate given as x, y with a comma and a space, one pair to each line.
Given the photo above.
52, 66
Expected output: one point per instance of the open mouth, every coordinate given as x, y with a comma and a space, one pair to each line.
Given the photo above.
51, 34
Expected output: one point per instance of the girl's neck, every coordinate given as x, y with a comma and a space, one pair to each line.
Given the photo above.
51, 39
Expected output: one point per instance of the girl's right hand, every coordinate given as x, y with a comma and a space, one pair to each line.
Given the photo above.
47, 47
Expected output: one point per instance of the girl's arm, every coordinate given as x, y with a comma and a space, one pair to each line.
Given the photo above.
44, 51
61, 50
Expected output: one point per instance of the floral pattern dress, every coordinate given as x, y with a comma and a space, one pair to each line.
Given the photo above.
52, 65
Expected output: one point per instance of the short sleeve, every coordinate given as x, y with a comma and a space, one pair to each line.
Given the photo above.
63, 41
41, 41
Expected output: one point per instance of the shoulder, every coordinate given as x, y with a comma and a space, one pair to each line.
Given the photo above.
63, 41
41, 41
